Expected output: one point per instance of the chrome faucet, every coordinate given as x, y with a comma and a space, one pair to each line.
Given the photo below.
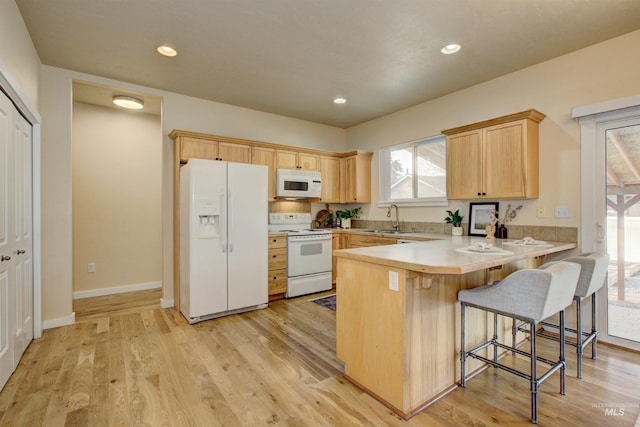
395, 224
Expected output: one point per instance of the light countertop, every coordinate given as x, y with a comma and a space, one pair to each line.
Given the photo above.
439, 255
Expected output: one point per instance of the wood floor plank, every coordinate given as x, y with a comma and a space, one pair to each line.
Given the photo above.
139, 364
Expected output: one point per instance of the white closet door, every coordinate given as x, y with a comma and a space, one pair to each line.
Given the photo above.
7, 266
22, 237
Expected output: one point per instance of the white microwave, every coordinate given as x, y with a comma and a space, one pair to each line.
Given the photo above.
298, 184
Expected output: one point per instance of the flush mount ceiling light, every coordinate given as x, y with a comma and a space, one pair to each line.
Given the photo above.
167, 51
128, 102
450, 48
339, 100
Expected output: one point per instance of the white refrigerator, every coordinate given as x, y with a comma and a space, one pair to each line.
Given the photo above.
223, 238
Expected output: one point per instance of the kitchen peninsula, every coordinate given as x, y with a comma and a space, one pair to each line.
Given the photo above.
398, 321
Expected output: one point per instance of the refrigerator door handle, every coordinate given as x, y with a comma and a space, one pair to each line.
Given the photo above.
223, 224
230, 220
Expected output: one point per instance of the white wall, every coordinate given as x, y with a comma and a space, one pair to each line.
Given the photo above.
19, 60
601, 72
117, 199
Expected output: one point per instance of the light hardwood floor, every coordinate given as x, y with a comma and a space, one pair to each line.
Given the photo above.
145, 365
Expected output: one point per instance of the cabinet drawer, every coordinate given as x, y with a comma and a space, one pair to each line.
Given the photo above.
277, 241
277, 258
277, 281
358, 241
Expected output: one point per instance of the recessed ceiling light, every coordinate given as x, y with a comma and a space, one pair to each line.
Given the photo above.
167, 51
339, 100
450, 48
128, 102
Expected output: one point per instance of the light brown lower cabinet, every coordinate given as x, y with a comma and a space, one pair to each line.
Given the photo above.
277, 266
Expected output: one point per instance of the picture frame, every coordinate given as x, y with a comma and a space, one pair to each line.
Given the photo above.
480, 215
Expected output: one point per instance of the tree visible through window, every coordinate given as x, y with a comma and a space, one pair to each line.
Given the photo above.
414, 172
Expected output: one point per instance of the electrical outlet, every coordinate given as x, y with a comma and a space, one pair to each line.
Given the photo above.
91, 267
540, 212
393, 280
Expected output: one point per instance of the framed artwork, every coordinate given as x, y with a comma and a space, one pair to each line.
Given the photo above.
481, 215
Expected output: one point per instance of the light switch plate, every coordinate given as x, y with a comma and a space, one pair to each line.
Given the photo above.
561, 212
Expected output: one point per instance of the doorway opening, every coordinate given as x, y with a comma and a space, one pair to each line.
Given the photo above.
116, 192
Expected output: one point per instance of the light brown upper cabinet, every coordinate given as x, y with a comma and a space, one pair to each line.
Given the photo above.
213, 150
355, 178
495, 159
330, 175
267, 157
286, 159
196, 148
230, 152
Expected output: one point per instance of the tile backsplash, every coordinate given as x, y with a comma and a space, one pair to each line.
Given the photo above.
554, 234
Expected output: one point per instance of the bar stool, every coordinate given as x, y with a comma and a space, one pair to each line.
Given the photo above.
592, 277
529, 295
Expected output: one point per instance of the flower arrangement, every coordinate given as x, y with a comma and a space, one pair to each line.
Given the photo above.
510, 213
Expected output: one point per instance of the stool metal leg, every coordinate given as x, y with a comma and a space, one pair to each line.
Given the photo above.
562, 355
579, 346
594, 331
534, 376
495, 337
462, 350
514, 332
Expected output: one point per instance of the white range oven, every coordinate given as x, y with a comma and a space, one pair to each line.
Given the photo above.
308, 253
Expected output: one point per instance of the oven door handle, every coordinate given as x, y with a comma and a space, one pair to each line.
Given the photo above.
304, 240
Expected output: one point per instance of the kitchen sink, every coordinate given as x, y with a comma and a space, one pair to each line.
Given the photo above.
372, 230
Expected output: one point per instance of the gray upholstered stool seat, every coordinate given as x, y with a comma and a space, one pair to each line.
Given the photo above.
529, 295
592, 276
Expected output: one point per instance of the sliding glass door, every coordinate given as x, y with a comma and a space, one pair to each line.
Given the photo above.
621, 178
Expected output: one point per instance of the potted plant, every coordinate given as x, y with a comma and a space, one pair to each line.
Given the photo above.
346, 215
455, 219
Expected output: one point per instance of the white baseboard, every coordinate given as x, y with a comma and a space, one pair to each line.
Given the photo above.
60, 321
167, 303
116, 290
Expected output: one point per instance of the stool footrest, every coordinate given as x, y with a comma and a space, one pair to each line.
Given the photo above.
555, 365
587, 337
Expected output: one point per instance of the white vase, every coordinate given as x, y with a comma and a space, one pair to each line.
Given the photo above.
346, 223
456, 231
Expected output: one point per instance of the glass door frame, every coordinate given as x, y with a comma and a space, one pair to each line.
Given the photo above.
594, 120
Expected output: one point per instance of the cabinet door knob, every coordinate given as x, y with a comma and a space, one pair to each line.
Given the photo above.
5, 258
20, 252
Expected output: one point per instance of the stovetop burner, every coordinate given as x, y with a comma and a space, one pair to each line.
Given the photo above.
293, 223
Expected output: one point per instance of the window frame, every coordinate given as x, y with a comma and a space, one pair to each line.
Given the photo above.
384, 187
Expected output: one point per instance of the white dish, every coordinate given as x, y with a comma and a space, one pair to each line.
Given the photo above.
530, 243
483, 250
490, 251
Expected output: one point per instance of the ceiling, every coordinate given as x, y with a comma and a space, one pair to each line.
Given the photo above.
292, 57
